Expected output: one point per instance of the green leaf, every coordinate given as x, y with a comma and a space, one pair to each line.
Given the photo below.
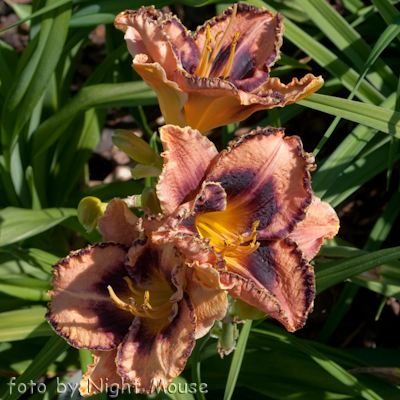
32, 82
375, 117
329, 274
53, 348
325, 362
326, 59
100, 96
196, 364
384, 40
21, 324
358, 173
42, 11
387, 10
8, 62
18, 223
237, 360
107, 191
350, 42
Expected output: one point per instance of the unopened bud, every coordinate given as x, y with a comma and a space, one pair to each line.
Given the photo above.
145, 171
89, 210
136, 148
246, 311
150, 200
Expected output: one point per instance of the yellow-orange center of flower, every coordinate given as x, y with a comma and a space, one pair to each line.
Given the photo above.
223, 236
161, 307
208, 56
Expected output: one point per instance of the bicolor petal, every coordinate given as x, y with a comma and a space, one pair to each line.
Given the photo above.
187, 158
118, 224
81, 309
276, 279
321, 223
259, 33
101, 373
154, 352
266, 179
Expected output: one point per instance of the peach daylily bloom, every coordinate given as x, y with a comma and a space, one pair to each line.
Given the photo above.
246, 218
218, 76
135, 303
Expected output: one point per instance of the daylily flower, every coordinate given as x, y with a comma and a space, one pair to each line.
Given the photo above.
218, 76
135, 303
247, 218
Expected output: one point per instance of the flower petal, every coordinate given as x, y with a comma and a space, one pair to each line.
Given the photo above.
276, 279
257, 47
101, 373
209, 304
118, 224
292, 92
184, 46
170, 97
321, 223
155, 351
187, 157
144, 35
81, 309
156, 268
213, 102
266, 178
180, 227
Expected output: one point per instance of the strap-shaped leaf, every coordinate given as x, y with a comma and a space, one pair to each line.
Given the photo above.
53, 348
21, 324
18, 223
337, 271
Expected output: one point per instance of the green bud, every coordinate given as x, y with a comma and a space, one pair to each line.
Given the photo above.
136, 148
246, 311
228, 337
149, 199
89, 210
144, 171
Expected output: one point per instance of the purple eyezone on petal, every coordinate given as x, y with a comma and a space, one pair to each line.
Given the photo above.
254, 223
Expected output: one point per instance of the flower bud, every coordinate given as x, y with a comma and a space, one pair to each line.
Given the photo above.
89, 210
136, 148
246, 311
149, 200
144, 171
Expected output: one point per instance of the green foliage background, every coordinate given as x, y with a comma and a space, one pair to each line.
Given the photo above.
48, 136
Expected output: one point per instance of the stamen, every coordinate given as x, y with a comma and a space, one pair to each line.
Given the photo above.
117, 301
122, 305
228, 67
202, 65
226, 242
131, 287
218, 46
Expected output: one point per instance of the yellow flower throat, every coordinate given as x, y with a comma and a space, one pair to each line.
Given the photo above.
223, 237
146, 310
206, 61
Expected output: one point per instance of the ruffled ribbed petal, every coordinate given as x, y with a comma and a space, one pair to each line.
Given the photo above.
321, 223
266, 178
155, 351
118, 224
276, 279
187, 158
101, 374
257, 47
81, 309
